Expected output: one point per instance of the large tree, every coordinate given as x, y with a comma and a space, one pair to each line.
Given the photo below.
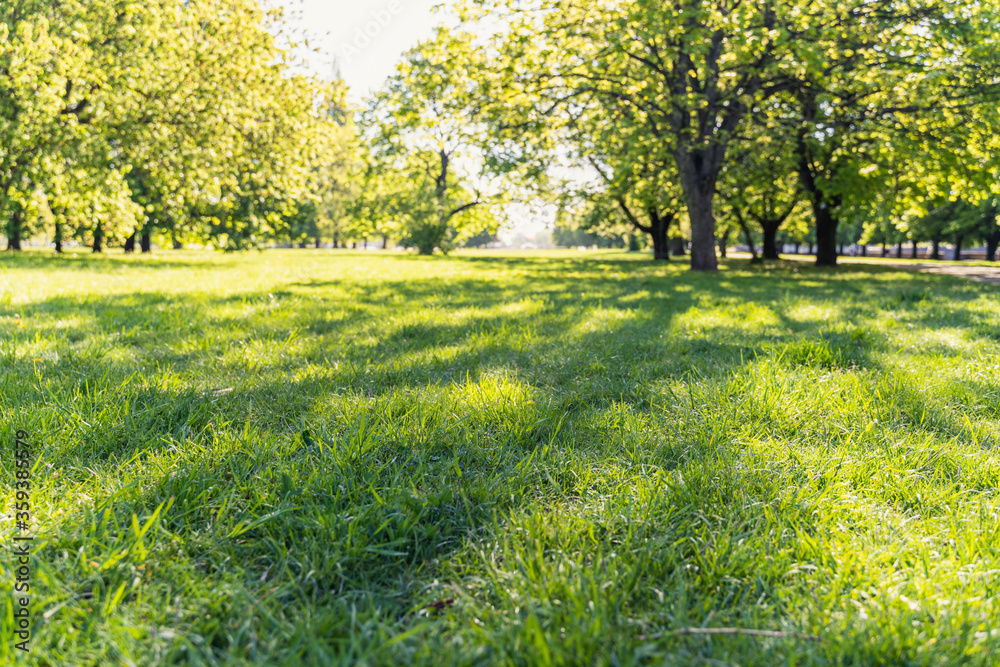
423, 126
686, 72
690, 73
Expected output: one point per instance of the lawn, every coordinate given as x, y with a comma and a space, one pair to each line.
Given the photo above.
308, 457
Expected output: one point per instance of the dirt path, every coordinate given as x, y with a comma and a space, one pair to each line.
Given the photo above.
983, 274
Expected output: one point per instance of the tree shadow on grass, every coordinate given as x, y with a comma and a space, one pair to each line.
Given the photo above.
91, 262
586, 341
403, 462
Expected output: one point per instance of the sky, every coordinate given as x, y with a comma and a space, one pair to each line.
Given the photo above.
368, 37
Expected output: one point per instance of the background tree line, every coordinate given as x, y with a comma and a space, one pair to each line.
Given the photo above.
693, 124
682, 127
121, 121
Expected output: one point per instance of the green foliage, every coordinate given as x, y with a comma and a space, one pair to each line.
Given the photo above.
422, 134
188, 108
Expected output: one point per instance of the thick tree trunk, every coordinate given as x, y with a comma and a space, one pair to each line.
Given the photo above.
936, 248
14, 230
702, 218
899, 250
826, 235
145, 242
992, 241
823, 210
130, 243
958, 249
661, 248
770, 241
98, 239
913, 255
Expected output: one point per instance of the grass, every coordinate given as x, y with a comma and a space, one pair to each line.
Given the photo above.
305, 457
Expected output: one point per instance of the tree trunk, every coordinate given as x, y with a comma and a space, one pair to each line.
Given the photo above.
385, 241
14, 230
936, 248
958, 249
826, 235
811, 247
885, 250
770, 241
98, 239
864, 250
677, 246
659, 225
699, 171
913, 255
130, 243
797, 244
59, 237
746, 235
317, 242
177, 245
702, 218
826, 221
145, 242
336, 239
899, 250
992, 241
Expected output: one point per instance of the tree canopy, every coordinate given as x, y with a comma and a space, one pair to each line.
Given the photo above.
658, 122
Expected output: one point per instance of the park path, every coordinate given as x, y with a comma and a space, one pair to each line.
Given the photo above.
983, 274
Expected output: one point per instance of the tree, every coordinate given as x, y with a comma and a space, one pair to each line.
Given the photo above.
689, 74
686, 73
760, 182
869, 70
423, 126
189, 107
45, 48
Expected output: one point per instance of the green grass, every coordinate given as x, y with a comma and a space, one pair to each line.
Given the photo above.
306, 457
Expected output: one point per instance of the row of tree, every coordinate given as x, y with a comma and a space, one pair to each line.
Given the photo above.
122, 120
684, 123
818, 121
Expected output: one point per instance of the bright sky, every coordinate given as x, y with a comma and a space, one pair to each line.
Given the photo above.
366, 36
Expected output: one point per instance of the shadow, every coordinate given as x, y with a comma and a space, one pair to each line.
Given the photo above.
390, 412
107, 261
